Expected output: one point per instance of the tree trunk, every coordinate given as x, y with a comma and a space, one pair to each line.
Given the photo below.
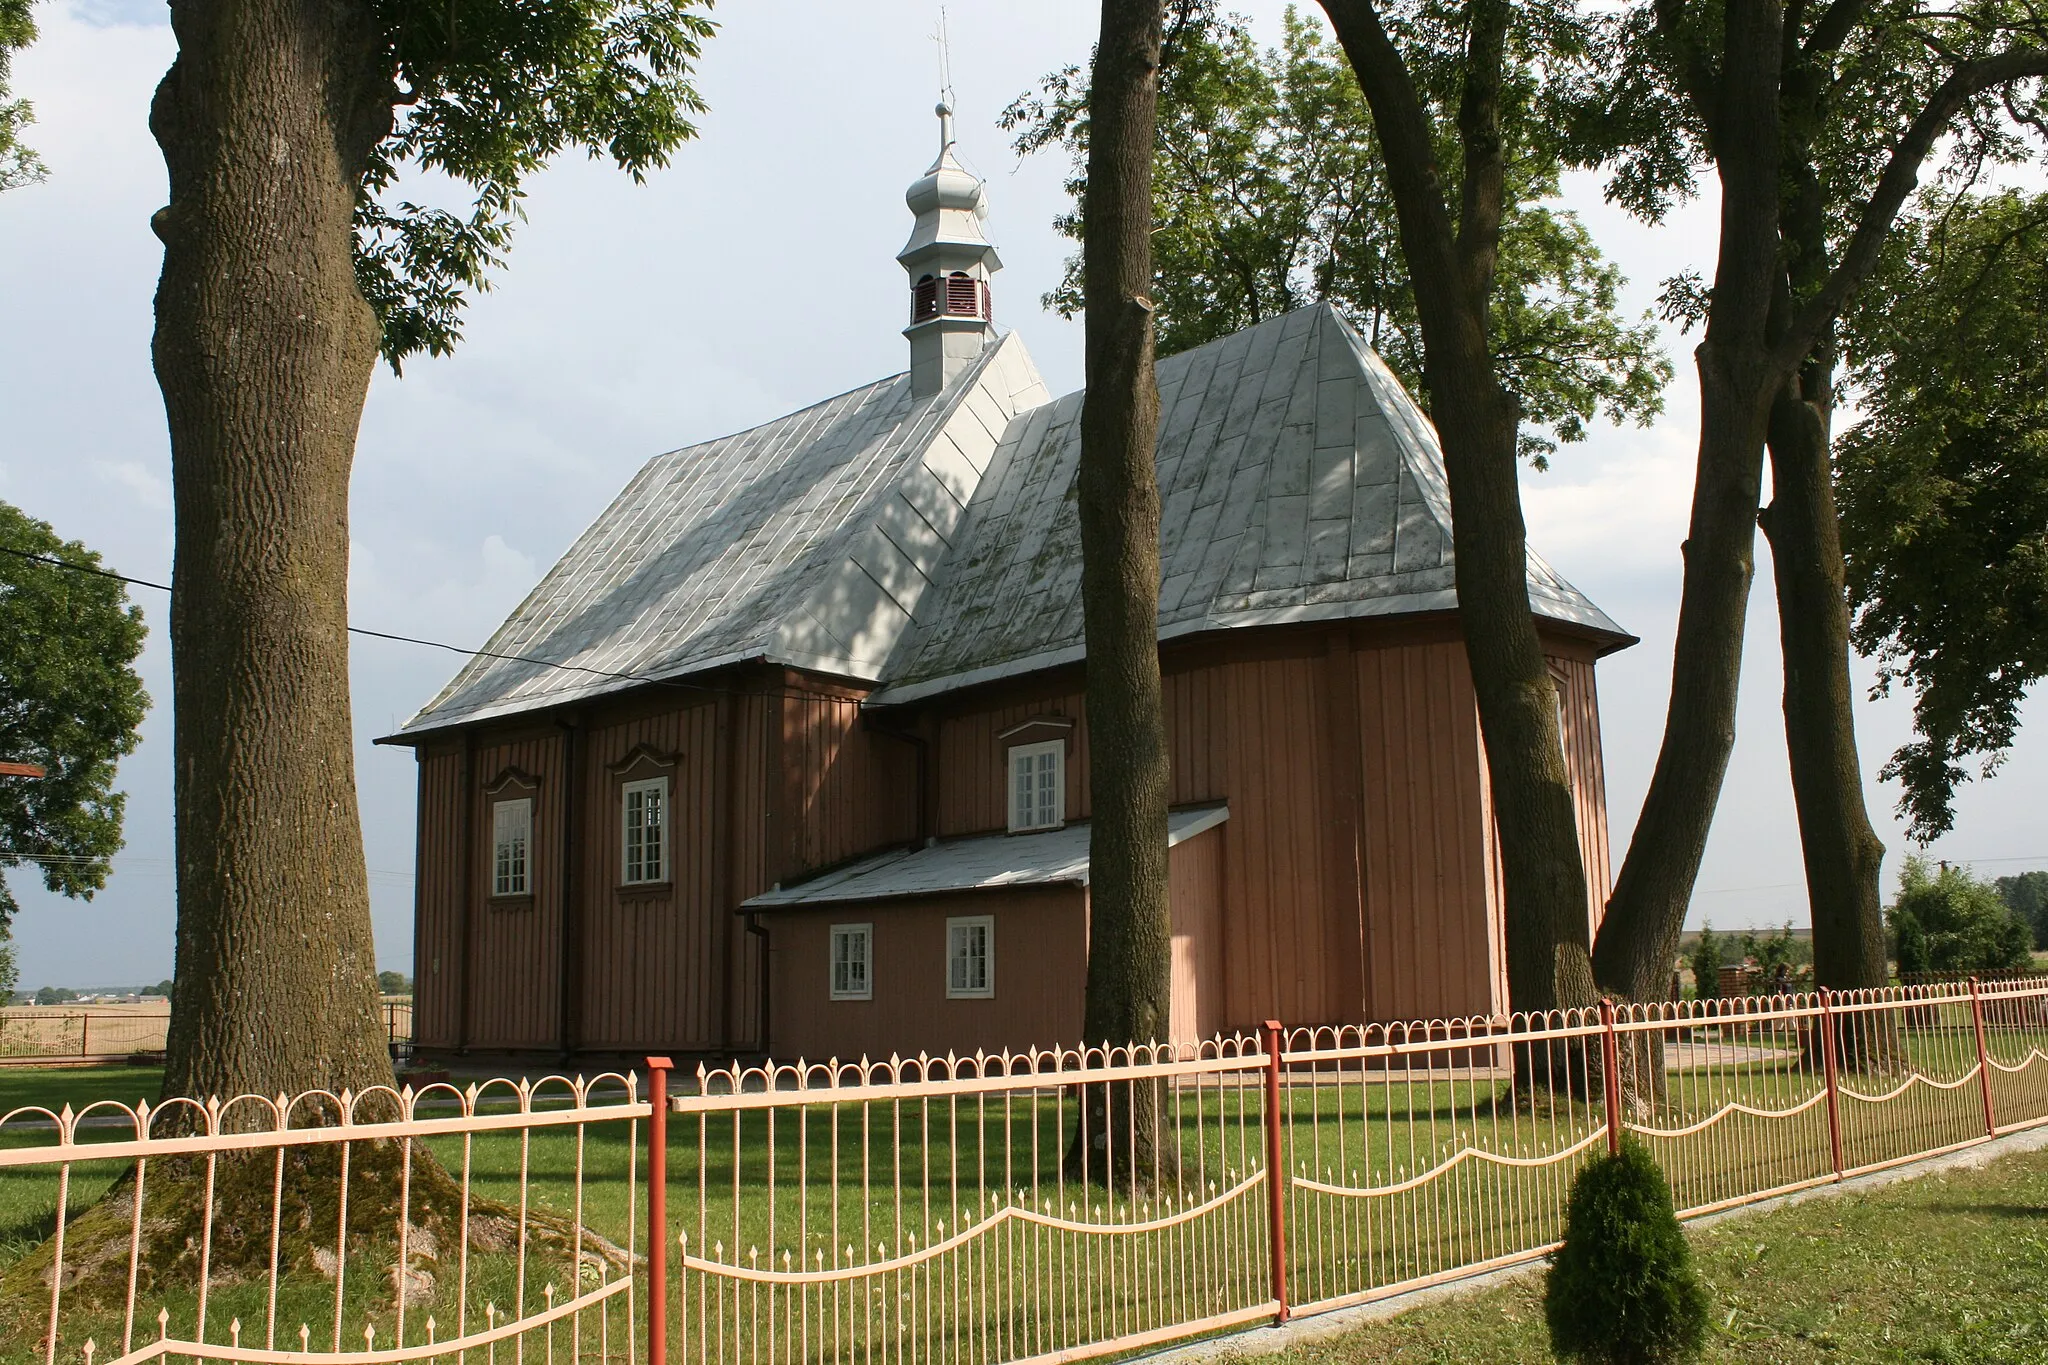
1131, 934
263, 349
1547, 921
1548, 924
1646, 914
1738, 100
1841, 850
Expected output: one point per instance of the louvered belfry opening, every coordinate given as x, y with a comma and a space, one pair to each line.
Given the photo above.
964, 297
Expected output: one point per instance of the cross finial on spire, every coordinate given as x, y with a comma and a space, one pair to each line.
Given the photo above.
945, 106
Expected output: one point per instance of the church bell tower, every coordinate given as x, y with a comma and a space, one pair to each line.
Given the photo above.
949, 261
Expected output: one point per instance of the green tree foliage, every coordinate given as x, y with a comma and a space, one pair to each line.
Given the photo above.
55, 995
18, 164
1270, 193
394, 983
1622, 1289
10, 973
1706, 964
69, 700
488, 92
1943, 486
1948, 921
2027, 896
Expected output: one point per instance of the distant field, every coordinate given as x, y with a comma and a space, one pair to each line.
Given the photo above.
74, 1030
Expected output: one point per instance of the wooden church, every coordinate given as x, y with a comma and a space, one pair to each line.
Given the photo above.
787, 753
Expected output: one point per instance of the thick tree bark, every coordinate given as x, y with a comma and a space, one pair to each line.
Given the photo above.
1131, 933
1738, 377
263, 350
1477, 421
1841, 850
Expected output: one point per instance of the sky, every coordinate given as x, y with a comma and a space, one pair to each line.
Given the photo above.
637, 319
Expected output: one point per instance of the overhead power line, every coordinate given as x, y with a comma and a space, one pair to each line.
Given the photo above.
465, 650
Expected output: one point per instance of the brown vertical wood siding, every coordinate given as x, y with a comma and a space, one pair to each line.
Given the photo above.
852, 788
437, 903
1429, 941
515, 945
1041, 968
1350, 758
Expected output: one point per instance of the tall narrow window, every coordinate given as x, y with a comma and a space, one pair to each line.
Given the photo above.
645, 811
511, 836
852, 948
971, 958
1038, 785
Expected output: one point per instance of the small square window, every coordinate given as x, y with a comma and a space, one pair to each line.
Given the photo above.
1038, 785
971, 958
511, 835
644, 809
852, 956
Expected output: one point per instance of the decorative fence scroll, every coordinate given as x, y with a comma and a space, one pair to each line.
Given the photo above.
441, 1224
1023, 1207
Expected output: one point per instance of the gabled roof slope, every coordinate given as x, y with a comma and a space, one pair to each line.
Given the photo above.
1298, 482
810, 541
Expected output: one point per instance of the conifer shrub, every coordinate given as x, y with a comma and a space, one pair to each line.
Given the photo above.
1622, 1289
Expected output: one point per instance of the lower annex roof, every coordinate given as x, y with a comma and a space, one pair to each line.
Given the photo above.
981, 862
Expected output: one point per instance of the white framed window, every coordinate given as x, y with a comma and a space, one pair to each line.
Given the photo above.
644, 820
970, 958
853, 947
511, 838
1038, 785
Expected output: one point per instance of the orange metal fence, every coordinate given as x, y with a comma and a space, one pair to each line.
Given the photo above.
985, 1210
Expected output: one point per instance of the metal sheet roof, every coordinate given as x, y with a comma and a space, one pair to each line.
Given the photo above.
928, 545
810, 541
1298, 482
993, 860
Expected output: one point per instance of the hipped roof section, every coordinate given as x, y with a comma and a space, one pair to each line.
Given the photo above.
930, 545
809, 541
1298, 482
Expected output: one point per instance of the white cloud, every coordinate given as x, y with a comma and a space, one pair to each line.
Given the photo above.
136, 479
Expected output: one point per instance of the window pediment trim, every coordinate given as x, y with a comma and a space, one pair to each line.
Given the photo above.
512, 781
644, 760
1051, 726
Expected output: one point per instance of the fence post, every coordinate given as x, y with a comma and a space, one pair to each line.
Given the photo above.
1983, 1058
657, 1210
1829, 1067
1610, 1074
85, 1035
1276, 1201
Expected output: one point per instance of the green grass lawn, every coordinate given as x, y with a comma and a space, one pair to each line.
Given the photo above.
56, 1086
1949, 1267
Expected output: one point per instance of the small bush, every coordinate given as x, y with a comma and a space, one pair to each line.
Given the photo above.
1622, 1289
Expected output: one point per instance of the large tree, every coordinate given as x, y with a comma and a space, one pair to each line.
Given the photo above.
1944, 485
1270, 193
1131, 934
19, 164
289, 266
1456, 92
70, 703
1817, 122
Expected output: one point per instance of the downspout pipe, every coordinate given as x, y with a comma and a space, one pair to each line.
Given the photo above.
569, 967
